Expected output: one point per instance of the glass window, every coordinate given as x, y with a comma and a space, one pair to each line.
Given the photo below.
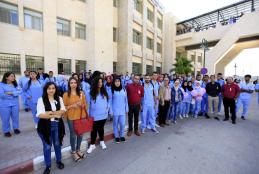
158, 70
80, 31
159, 47
63, 27
149, 69
10, 62
138, 5
8, 13
115, 35
159, 23
137, 37
33, 20
200, 59
64, 65
150, 15
80, 65
136, 68
150, 43
33, 63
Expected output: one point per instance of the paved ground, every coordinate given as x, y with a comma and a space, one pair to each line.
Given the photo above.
196, 146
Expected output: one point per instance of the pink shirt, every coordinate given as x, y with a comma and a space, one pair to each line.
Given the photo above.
197, 93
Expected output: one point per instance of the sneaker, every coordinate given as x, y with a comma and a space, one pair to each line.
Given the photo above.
157, 125
91, 148
137, 133
195, 116
129, 133
26, 110
200, 114
36, 126
47, 170
60, 165
148, 127
233, 121
123, 139
161, 125
216, 118
225, 119
117, 140
206, 116
174, 122
7, 134
243, 118
187, 116
143, 131
103, 145
155, 130
180, 117
17, 131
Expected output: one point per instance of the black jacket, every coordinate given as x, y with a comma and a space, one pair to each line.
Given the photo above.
213, 90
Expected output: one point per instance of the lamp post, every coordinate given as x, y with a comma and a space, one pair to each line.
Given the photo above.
204, 46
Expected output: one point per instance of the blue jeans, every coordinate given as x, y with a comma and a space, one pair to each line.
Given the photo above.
9, 112
47, 147
185, 108
197, 107
220, 102
75, 140
174, 111
118, 121
204, 104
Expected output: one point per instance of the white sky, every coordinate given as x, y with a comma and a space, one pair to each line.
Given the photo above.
184, 9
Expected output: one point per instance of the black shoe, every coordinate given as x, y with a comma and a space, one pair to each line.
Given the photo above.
26, 110
7, 134
60, 165
216, 118
47, 170
117, 140
17, 131
200, 114
206, 116
123, 139
225, 119
243, 118
233, 121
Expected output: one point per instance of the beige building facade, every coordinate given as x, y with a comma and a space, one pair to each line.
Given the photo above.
72, 35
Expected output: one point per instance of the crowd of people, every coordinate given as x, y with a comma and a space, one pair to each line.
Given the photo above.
159, 99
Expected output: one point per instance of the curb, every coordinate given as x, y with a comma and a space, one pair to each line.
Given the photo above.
38, 162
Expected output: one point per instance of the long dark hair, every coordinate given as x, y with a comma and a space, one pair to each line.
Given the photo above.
77, 87
114, 87
94, 89
7, 74
185, 87
29, 82
45, 97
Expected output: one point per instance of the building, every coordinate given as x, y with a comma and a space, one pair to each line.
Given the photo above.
72, 35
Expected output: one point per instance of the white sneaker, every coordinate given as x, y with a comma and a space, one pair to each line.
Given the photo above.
148, 127
91, 148
103, 145
143, 131
174, 122
180, 117
187, 116
36, 126
157, 125
155, 130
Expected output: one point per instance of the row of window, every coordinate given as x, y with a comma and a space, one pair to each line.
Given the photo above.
12, 62
138, 6
137, 38
34, 20
137, 68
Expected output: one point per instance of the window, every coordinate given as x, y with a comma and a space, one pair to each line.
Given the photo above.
63, 27
149, 69
80, 31
80, 65
8, 13
114, 67
115, 35
159, 23
33, 63
64, 65
138, 5
82, 0
115, 3
150, 43
137, 37
150, 15
159, 48
10, 62
193, 58
136, 68
33, 20
200, 59
158, 70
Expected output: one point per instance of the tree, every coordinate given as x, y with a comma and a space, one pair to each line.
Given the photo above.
182, 66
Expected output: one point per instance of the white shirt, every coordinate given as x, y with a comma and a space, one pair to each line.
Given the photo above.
41, 107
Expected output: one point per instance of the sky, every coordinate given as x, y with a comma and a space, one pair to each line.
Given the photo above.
184, 9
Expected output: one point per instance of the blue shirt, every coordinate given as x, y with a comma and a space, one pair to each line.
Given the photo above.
99, 108
23, 81
7, 100
86, 88
148, 99
119, 102
247, 86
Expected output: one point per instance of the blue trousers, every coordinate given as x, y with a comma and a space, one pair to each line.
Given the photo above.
174, 111
75, 140
245, 103
204, 104
258, 98
220, 102
148, 116
25, 102
185, 108
7, 113
55, 142
33, 107
118, 121
197, 107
